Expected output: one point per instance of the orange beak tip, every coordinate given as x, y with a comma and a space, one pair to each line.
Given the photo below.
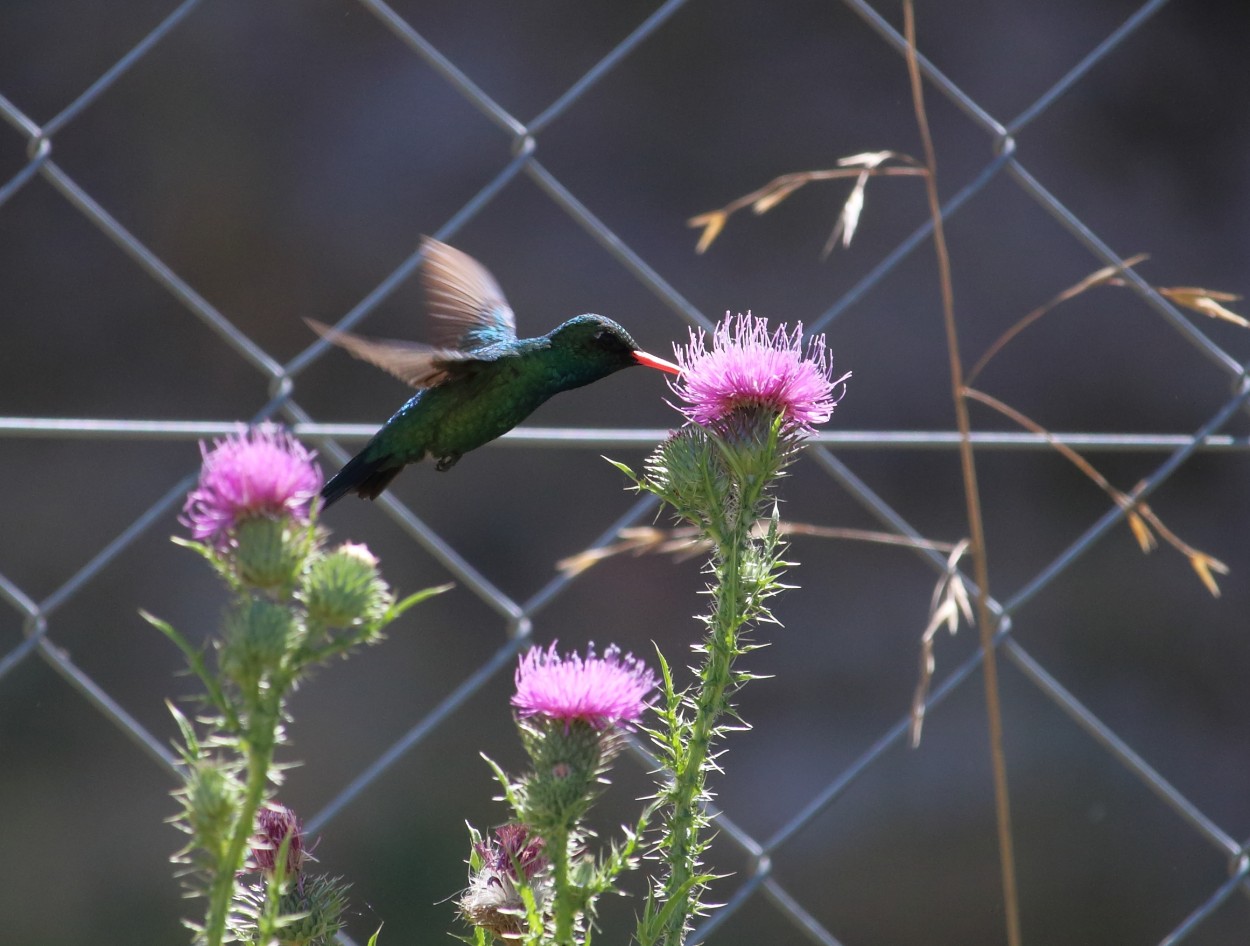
651, 361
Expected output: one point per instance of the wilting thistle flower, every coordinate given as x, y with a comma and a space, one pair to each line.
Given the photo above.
607, 691
262, 471
276, 824
492, 900
749, 368
513, 849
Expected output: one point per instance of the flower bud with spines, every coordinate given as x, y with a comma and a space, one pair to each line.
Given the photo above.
257, 637
569, 762
343, 588
210, 796
269, 553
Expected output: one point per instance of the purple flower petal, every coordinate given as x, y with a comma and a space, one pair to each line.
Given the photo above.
274, 824
747, 367
513, 846
603, 691
261, 471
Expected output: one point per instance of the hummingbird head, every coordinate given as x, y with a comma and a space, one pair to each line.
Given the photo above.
596, 340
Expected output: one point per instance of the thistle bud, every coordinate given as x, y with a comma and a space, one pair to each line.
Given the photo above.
343, 587
687, 472
316, 906
310, 912
257, 636
210, 797
569, 761
270, 553
278, 825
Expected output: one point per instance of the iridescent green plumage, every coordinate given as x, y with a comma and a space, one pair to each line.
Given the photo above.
484, 381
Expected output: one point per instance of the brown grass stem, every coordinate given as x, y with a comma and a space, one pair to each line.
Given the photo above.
860, 167
1141, 518
987, 626
1106, 276
685, 542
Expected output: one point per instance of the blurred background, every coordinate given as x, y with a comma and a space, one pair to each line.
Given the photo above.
257, 163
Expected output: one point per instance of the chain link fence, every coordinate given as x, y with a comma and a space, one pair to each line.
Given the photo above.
1126, 714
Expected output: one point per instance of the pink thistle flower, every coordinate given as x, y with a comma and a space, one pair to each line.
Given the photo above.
274, 824
603, 691
750, 368
262, 471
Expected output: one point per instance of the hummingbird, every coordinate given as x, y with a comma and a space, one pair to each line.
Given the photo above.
479, 380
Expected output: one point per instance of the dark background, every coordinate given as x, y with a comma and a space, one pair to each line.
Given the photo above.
284, 157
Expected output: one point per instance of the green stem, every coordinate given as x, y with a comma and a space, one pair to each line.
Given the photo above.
221, 892
564, 903
686, 818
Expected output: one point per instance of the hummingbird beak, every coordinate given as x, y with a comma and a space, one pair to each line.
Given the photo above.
652, 362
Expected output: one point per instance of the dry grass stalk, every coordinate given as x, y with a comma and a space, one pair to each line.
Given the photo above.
1205, 301
859, 166
1105, 276
1142, 520
949, 601
685, 542
1208, 302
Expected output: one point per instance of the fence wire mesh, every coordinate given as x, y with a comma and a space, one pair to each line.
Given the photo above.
1126, 710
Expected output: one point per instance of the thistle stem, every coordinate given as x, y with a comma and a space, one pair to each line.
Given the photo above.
221, 892
564, 902
685, 820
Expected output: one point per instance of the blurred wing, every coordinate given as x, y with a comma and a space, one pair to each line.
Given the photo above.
467, 306
417, 365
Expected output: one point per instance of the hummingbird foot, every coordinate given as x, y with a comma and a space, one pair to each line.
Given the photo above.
446, 463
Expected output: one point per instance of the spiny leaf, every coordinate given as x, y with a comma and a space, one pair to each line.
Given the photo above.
191, 752
195, 660
509, 793
623, 468
415, 598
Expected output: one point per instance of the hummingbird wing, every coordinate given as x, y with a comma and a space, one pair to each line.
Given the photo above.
421, 366
467, 307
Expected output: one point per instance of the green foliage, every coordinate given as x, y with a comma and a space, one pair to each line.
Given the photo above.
293, 607
720, 481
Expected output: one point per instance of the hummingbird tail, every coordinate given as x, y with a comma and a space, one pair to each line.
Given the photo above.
367, 478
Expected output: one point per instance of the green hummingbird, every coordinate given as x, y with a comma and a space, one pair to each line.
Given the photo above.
479, 380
